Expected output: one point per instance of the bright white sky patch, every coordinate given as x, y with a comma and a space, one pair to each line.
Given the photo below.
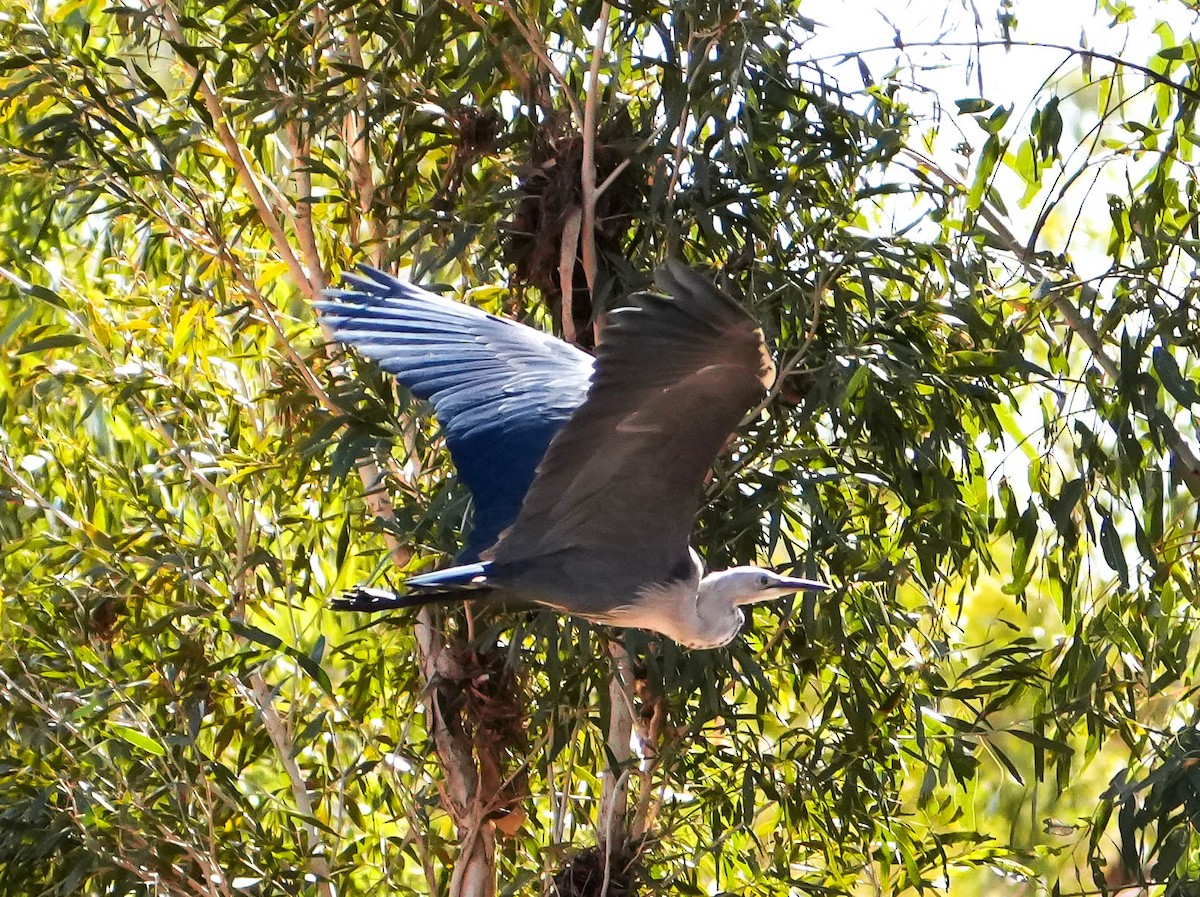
1007, 75
940, 62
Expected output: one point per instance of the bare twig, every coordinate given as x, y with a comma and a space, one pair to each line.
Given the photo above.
789, 365
540, 50
588, 168
359, 150
561, 795
474, 871
269, 315
1083, 52
237, 158
610, 823
300, 148
569, 243
613, 175
650, 734
685, 112
32, 496
259, 694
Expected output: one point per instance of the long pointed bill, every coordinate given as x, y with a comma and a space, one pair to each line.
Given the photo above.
802, 585
784, 585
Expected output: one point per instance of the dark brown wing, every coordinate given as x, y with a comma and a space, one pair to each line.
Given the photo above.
621, 481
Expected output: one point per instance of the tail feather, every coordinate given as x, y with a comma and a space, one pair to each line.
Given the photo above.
467, 576
464, 583
370, 600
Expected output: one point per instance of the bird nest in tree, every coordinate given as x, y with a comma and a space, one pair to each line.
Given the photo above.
583, 875
551, 194
492, 704
479, 696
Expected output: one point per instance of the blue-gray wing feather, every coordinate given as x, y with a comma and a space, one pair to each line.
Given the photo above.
620, 486
500, 390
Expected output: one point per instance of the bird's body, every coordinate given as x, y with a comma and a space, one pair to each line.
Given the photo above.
586, 475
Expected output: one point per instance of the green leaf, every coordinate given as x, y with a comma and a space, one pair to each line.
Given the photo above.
46, 295
58, 341
1182, 390
1063, 507
972, 105
1114, 553
984, 169
138, 739
254, 634
1048, 129
1188, 50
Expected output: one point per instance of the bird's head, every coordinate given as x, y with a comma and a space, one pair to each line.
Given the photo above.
753, 585
724, 593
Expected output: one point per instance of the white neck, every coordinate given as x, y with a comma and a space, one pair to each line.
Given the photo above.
699, 612
696, 615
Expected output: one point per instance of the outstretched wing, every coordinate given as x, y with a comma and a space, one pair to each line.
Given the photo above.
500, 390
621, 481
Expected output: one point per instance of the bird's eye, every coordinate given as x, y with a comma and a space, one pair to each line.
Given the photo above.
763, 580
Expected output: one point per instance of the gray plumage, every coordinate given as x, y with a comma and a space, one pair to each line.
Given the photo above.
586, 492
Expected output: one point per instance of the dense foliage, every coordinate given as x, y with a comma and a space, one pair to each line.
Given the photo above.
988, 446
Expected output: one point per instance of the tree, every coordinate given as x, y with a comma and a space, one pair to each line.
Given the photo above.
189, 472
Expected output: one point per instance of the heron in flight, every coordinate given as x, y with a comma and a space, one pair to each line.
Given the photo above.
585, 473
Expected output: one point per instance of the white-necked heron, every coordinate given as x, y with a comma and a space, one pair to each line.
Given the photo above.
586, 474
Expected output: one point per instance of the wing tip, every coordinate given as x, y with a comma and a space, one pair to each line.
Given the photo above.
370, 286
689, 287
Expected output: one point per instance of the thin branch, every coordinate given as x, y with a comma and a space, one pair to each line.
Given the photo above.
237, 158
561, 794
259, 694
651, 729
33, 496
1149, 73
610, 822
568, 243
588, 169
784, 370
359, 151
684, 113
542, 52
612, 176
300, 148
269, 315
474, 871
